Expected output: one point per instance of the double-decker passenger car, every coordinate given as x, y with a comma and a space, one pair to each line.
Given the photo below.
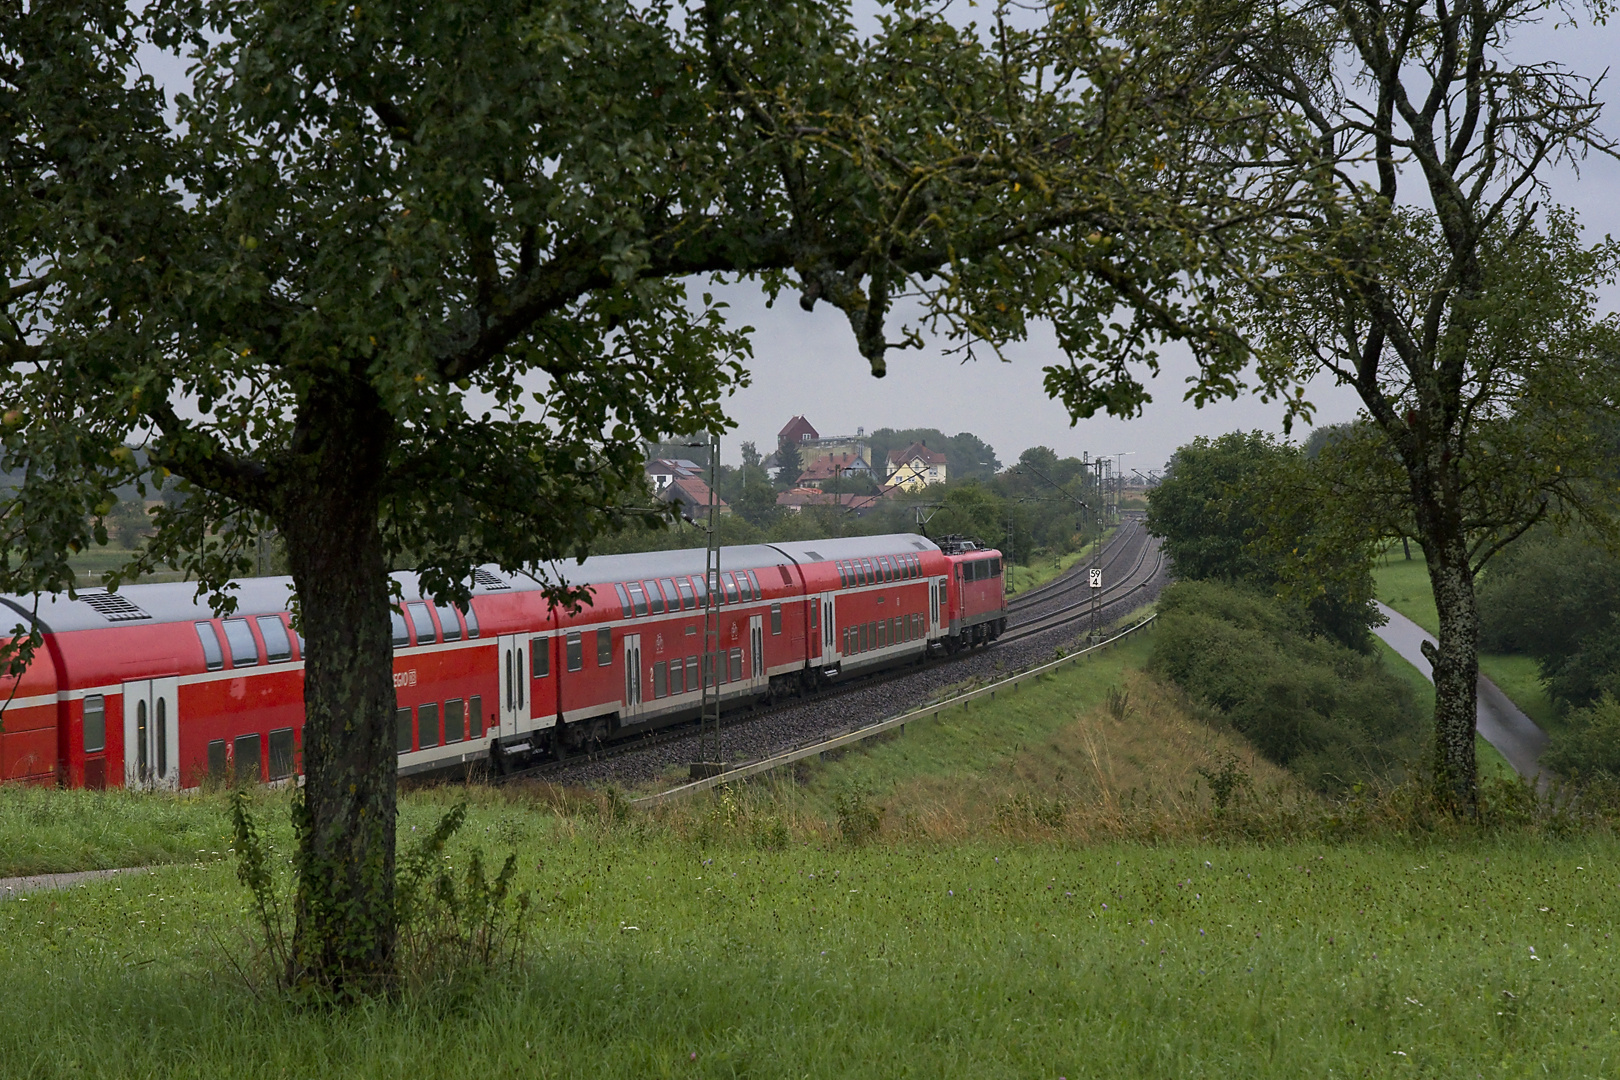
145, 688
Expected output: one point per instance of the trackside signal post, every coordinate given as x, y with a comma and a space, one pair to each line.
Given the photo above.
710, 755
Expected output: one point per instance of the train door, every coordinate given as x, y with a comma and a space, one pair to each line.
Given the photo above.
756, 647
632, 675
514, 685
829, 635
152, 734
936, 596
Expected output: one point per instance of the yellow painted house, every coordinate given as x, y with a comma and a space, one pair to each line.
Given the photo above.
916, 467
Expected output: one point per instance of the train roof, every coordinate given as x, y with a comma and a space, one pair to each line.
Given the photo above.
854, 547
169, 602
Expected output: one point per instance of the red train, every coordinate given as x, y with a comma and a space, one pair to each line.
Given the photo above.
144, 688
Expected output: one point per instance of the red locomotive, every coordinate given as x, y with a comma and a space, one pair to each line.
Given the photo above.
144, 688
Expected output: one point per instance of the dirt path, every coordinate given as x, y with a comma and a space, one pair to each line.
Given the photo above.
19, 886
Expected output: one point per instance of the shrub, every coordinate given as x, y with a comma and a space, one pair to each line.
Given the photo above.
1589, 746
1328, 713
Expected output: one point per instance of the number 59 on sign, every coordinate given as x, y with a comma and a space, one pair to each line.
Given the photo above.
1096, 579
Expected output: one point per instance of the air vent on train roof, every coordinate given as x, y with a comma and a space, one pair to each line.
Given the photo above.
816, 555
489, 580
113, 608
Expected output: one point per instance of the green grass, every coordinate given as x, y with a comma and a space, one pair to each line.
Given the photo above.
91, 563
969, 740
657, 957
1045, 567
1023, 577
45, 831
1404, 586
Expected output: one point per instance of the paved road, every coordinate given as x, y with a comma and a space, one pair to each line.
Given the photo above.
1501, 722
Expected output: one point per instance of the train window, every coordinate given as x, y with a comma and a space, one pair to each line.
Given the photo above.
95, 720
660, 679
248, 768
218, 765
708, 669
702, 592
624, 599
871, 571
911, 567
776, 618
604, 647
213, 657
655, 599
688, 598
427, 725
282, 764
455, 720
277, 646
731, 587
576, 653
691, 675
883, 633
670, 595
745, 587
472, 620
885, 569
244, 650
421, 622
638, 599
449, 623
475, 717
539, 657
402, 731
843, 575
736, 665
995, 567
759, 593
402, 636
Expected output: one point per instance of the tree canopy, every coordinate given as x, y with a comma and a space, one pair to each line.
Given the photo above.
412, 283
1246, 508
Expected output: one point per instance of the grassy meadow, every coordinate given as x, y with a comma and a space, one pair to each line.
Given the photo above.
1039, 885
708, 948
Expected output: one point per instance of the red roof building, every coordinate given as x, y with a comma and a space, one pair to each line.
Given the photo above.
796, 431
824, 471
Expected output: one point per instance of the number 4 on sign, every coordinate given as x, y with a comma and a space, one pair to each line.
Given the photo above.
1096, 579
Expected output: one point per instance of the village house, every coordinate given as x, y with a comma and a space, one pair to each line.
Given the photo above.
916, 467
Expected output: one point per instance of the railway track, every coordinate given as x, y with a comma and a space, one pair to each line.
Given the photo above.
1046, 619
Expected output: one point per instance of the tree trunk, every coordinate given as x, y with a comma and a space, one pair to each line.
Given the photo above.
1456, 674
344, 938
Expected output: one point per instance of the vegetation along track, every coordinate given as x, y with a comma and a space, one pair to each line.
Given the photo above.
1036, 629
